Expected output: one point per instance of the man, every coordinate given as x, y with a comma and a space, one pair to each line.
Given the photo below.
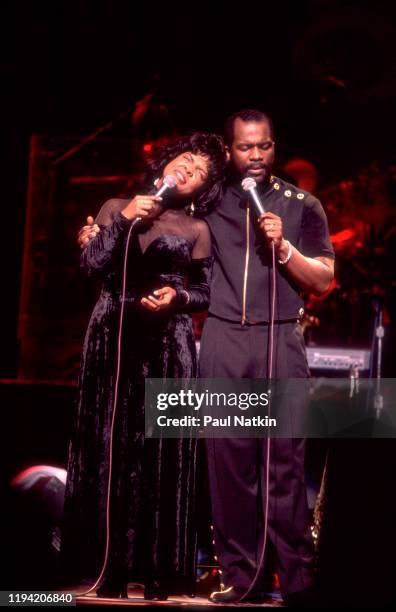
235, 344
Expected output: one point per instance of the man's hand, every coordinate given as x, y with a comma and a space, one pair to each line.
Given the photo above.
87, 232
160, 299
272, 228
312, 274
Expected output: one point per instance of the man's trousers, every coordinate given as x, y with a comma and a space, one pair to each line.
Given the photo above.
237, 467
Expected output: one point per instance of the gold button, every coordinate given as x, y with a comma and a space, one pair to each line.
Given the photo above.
300, 196
276, 186
288, 193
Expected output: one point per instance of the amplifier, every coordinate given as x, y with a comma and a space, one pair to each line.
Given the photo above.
324, 358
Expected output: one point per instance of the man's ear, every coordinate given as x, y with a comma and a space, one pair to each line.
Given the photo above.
228, 153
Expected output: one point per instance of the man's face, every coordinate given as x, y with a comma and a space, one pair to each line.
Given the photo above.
252, 150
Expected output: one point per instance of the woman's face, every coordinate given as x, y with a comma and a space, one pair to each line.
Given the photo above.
191, 172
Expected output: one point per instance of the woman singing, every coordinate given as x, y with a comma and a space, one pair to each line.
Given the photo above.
129, 508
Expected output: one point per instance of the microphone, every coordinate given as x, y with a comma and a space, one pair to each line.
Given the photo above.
169, 182
249, 184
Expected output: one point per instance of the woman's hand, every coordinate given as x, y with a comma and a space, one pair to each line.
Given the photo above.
142, 206
160, 299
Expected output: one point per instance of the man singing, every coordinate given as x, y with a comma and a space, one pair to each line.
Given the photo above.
235, 344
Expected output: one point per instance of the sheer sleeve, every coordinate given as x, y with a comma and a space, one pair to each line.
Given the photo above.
202, 244
109, 210
195, 298
98, 255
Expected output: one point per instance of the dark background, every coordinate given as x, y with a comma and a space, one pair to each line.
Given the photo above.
324, 70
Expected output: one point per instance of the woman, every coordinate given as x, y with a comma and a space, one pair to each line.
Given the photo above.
149, 503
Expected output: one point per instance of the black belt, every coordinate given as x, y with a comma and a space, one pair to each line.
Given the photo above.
276, 322
251, 323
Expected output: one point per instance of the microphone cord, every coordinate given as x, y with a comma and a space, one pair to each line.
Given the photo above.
114, 407
265, 488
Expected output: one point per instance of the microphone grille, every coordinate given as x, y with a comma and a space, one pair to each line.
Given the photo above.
170, 181
248, 183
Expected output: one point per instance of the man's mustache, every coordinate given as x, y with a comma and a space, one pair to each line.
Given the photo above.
257, 167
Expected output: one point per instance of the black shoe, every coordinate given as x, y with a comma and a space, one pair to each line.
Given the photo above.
154, 591
236, 594
113, 590
229, 595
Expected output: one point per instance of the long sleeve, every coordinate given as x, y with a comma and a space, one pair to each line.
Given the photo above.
98, 256
196, 296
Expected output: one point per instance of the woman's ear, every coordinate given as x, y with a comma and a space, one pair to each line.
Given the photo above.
157, 180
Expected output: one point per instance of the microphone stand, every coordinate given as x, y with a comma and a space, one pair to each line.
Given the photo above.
379, 335
376, 351
378, 329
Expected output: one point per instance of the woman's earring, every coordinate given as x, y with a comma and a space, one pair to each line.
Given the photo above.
192, 209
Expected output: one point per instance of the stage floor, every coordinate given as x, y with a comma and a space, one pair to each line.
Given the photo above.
135, 598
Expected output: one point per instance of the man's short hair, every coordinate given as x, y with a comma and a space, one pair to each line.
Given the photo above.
247, 114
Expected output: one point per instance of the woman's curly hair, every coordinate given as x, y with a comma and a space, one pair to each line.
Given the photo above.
209, 145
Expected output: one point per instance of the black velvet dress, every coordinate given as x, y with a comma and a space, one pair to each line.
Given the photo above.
152, 524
